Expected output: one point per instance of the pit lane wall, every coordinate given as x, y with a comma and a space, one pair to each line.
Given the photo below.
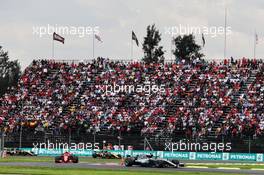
257, 157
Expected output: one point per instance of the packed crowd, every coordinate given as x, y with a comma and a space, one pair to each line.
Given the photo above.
117, 97
247, 117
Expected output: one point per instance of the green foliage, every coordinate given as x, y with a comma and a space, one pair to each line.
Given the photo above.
153, 53
9, 71
186, 48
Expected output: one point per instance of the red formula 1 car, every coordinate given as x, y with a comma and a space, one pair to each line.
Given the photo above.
66, 158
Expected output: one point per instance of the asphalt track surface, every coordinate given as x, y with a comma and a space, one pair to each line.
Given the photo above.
119, 167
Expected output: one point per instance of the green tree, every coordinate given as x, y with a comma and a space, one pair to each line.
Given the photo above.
9, 71
186, 48
153, 53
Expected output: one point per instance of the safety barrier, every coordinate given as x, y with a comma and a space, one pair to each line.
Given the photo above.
257, 157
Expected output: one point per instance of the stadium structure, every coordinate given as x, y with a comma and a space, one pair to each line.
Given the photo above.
136, 105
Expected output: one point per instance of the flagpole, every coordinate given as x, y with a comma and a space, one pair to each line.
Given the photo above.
171, 48
255, 43
93, 44
203, 42
52, 48
225, 34
131, 48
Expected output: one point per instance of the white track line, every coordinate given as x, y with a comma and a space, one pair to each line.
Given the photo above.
228, 168
259, 169
196, 166
225, 164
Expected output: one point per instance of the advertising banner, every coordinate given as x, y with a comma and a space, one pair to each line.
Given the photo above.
162, 154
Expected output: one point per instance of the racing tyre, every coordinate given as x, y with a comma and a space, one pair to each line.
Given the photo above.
119, 156
57, 159
128, 162
176, 162
108, 156
159, 165
75, 159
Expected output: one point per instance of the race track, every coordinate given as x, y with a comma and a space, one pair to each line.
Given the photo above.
115, 166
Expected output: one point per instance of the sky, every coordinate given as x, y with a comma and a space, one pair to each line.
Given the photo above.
113, 21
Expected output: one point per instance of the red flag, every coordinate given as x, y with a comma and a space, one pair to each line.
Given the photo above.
58, 38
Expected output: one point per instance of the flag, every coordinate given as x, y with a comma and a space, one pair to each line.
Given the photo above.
98, 38
134, 37
203, 39
58, 38
256, 37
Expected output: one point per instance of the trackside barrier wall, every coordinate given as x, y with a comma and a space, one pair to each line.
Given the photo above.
257, 157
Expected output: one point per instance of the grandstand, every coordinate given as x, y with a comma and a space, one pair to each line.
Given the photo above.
201, 101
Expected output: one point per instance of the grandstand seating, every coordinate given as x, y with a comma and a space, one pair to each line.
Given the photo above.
200, 99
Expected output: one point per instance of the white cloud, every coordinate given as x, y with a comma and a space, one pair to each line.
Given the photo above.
116, 19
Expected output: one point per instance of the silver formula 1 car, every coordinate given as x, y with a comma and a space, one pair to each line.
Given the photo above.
151, 161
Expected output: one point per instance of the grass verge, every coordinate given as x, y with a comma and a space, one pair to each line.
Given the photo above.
76, 171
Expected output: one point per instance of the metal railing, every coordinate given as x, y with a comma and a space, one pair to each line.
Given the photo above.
24, 138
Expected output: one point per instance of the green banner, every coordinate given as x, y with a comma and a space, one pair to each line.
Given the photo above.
140, 152
208, 156
176, 155
162, 154
243, 156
